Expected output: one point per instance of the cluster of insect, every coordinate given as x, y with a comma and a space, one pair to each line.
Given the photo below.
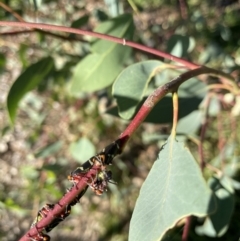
98, 185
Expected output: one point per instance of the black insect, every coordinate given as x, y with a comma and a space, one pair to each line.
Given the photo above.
110, 151
103, 158
43, 212
85, 167
101, 182
58, 219
78, 197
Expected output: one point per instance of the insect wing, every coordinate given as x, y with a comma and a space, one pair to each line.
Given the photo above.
84, 168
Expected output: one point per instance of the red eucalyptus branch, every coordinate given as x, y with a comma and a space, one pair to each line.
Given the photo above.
61, 205
160, 92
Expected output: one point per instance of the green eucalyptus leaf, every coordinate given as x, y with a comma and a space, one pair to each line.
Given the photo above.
174, 189
80, 22
178, 45
27, 81
190, 124
82, 150
99, 69
49, 150
131, 86
216, 224
29, 172
214, 106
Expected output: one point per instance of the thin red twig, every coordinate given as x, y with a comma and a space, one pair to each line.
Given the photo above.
41, 26
68, 38
183, 8
186, 228
10, 10
20, 19
203, 132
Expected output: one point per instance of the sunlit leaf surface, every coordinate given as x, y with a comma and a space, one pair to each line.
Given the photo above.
173, 189
131, 86
99, 69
